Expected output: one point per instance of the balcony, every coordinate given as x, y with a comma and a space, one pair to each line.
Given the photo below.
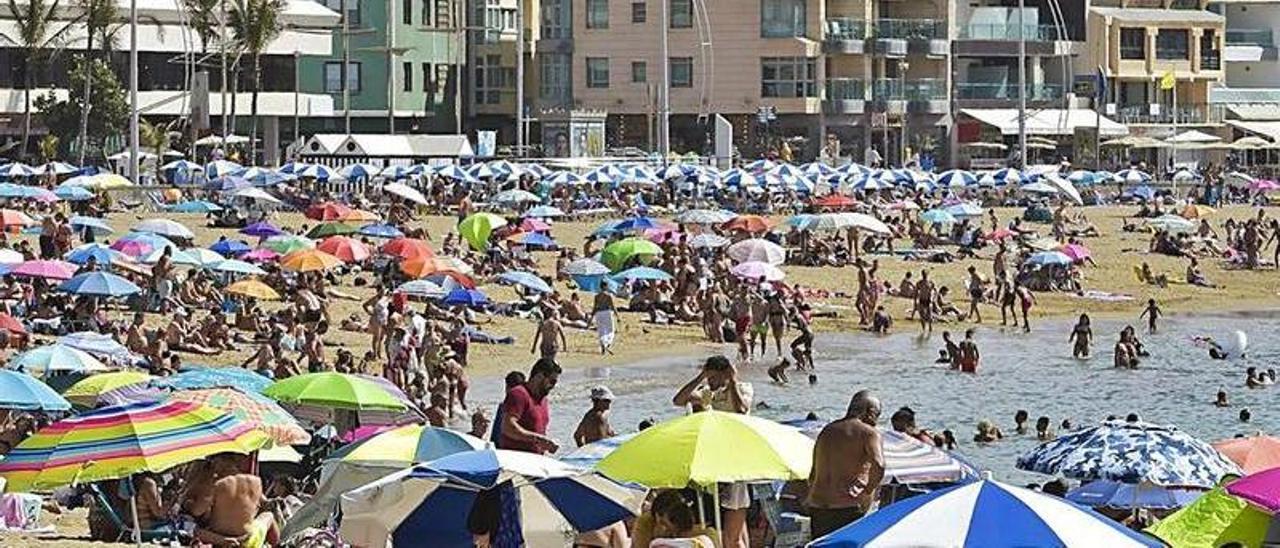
1189, 114
1210, 60
1250, 37
897, 37
845, 96
845, 35
1008, 32
979, 91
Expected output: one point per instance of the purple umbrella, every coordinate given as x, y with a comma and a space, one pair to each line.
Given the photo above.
132, 393
262, 229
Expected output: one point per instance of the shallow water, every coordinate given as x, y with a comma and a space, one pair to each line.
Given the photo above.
1036, 372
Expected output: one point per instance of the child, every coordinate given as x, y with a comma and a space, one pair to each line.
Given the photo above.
1151, 312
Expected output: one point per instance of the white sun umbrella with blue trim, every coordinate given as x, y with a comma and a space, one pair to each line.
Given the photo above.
54, 357
421, 288
204, 257
1185, 175
516, 196
1133, 176
965, 209
396, 172
704, 216
957, 178
760, 166
528, 280
405, 191
601, 176
567, 178
176, 256
164, 227
256, 194
235, 266
16, 169
544, 212
318, 172
1038, 187
1007, 176
482, 171
1086, 178
221, 168
359, 171
182, 165
455, 172
56, 168
740, 178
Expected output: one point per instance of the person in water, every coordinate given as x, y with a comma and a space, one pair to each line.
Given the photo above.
1020, 422
1151, 313
1081, 337
1222, 399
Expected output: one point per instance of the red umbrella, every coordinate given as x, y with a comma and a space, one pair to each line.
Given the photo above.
530, 224
753, 224
408, 248
835, 201
347, 249
328, 211
11, 324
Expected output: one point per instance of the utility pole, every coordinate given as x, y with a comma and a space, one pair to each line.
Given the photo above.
346, 66
222, 53
391, 69
520, 152
664, 100
133, 92
297, 96
459, 45
1022, 86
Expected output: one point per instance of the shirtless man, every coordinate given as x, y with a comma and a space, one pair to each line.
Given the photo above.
969, 355
848, 465
228, 512
977, 291
549, 339
595, 423
740, 312
759, 323
924, 302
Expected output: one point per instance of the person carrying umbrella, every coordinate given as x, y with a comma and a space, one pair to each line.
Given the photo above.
848, 466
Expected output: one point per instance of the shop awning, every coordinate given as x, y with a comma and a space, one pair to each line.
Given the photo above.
1051, 121
1268, 129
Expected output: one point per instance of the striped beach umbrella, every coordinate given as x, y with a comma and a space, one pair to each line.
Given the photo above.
257, 410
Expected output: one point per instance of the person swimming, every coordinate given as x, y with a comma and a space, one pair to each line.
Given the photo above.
1222, 399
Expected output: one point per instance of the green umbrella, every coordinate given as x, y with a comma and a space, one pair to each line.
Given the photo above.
1215, 519
324, 230
616, 254
336, 390
288, 243
477, 228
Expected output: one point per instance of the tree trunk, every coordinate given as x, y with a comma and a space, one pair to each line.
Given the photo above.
27, 82
88, 91
253, 108
235, 89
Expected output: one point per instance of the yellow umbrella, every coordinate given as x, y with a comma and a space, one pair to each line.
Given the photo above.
85, 393
108, 181
1197, 211
309, 260
253, 288
360, 215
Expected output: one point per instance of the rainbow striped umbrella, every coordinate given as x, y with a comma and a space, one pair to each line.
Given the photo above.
258, 410
117, 441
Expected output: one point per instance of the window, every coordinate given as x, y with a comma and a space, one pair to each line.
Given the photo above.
426, 13
639, 12
782, 18
490, 79
1133, 43
681, 69
1173, 44
333, 77
353, 10
555, 19
597, 14
639, 72
428, 79
407, 16
597, 72
554, 78
788, 77
681, 14
407, 75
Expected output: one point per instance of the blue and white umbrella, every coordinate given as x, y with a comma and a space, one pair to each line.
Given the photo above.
585, 267
1131, 452
704, 216
543, 502
231, 248
318, 172
226, 183
854, 170
938, 217
986, 514
642, 273
566, 178
760, 166
1133, 176
422, 170
182, 166
516, 196
1044, 258
16, 169
537, 170
235, 267
482, 171
1007, 176
601, 176
54, 357
421, 288
455, 172
707, 240
396, 172
101, 284
637, 223
1085, 178
543, 212
98, 226
291, 167
525, 279
965, 209
740, 178
101, 254
957, 178
1113, 494
1038, 187
381, 230
816, 170
56, 168
73, 193
221, 168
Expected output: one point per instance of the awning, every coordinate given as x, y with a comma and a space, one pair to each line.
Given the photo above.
1053, 121
1257, 112
390, 146
1193, 136
1270, 130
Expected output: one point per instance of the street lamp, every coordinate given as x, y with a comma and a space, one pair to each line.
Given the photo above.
906, 98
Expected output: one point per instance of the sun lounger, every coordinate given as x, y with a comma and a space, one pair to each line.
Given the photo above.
126, 530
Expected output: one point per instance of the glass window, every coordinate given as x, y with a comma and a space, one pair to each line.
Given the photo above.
681, 13
788, 77
353, 10
490, 79
333, 77
426, 13
407, 14
1133, 43
639, 12
597, 72
1173, 44
782, 18
597, 14
428, 78
555, 19
554, 77
407, 70
639, 72
681, 72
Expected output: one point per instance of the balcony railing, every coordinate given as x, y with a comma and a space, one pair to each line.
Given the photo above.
1191, 113
1210, 60
1007, 32
844, 28
910, 29
1250, 37
846, 89
923, 89
1003, 91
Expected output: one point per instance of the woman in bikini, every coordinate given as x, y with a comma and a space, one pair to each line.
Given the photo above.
1081, 337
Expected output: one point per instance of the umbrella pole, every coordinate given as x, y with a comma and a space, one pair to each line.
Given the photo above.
133, 507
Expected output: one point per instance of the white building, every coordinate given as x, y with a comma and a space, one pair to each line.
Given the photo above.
1252, 91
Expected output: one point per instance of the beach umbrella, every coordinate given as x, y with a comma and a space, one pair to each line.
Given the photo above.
324, 230
1064, 188
422, 289
38, 194
137, 244
642, 273
261, 255
101, 284
1263, 185
233, 266
263, 177
85, 393
1076, 252
176, 257
15, 218
566, 178
1113, 494
1133, 176
254, 409
907, 460
938, 217
708, 241
1197, 211
957, 178
757, 270
195, 206
585, 267
1253, 453
606, 229
1130, 452
1009, 176
1044, 258
115, 442
98, 226
46, 269
16, 169
471, 298
710, 447
226, 183
1262, 489
740, 179
760, 166
220, 168
309, 260
477, 227
396, 172
381, 231
516, 196
214, 377
543, 212
73, 193
455, 172
253, 288
257, 195
1172, 223
22, 392
54, 357
875, 180
347, 249
204, 257
360, 216
835, 201
11, 324
262, 229
183, 166
964, 209
405, 191
407, 445
318, 172
96, 345
1039, 187
327, 211
986, 514
1216, 519
333, 390
757, 249
102, 254
617, 254
285, 244
407, 248
1085, 178
753, 224
548, 501
530, 224
528, 280
419, 267
357, 171
638, 223
56, 168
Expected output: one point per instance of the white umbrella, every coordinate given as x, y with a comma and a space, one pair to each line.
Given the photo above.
405, 191
164, 227
756, 249
256, 194
862, 221
1065, 187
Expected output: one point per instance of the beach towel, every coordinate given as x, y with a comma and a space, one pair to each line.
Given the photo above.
605, 327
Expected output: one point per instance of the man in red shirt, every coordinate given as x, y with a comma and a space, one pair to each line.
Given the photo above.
526, 412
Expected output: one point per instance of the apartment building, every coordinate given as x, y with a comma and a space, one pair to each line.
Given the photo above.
1250, 96
491, 51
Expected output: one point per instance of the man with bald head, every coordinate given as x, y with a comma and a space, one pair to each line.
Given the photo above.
848, 465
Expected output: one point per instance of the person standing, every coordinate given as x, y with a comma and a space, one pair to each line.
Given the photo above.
969, 355
848, 465
595, 424
551, 336
526, 411
605, 314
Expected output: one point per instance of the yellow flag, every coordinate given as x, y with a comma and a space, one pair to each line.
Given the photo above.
1168, 81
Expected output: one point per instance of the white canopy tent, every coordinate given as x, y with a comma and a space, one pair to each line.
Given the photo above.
1051, 121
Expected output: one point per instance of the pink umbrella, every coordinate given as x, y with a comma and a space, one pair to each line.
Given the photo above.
133, 248
757, 270
43, 195
662, 235
1077, 252
363, 432
52, 270
531, 224
261, 255
1263, 184
1262, 489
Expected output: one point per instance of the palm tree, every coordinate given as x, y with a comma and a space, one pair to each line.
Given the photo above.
202, 17
156, 138
98, 15
40, 38
256, 23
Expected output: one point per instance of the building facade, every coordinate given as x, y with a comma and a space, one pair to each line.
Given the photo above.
1250, 96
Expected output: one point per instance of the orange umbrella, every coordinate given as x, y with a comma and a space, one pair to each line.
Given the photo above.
13, 217
408, 248
421, 267
347, 249
327, 211
361, 215
11, 324
1253, 454
309, 260
753, 224
253, 288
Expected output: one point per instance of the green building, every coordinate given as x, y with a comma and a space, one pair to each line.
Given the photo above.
404, 57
